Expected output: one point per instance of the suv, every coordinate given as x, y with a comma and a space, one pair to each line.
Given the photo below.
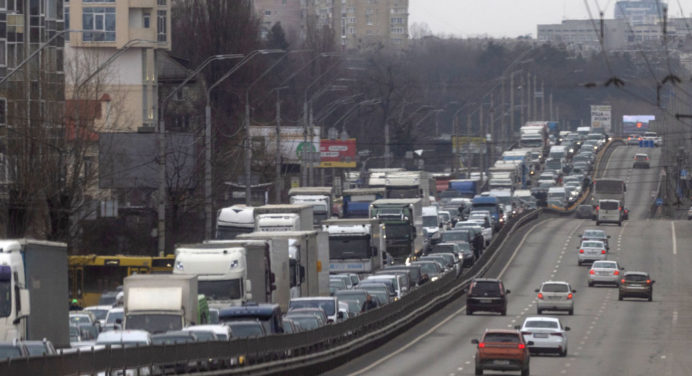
555, 296
641, 160
485, 294
636, 284
502, 350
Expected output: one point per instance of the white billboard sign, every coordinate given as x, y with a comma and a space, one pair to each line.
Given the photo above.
601, 118
292, 141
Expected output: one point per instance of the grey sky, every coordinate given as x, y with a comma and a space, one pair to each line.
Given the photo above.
511, 18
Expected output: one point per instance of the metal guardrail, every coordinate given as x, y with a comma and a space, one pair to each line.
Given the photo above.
300, 353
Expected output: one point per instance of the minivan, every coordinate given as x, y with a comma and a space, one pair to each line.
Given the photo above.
609, 211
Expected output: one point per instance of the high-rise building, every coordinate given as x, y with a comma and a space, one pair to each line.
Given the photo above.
119, 39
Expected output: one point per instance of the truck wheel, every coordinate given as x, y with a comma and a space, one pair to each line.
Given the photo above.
478, 371
620, 223
525, 371
598, 223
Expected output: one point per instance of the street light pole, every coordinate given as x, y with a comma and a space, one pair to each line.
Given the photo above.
278, 186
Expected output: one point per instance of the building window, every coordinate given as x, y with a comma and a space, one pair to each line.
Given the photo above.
3, 53
161, 25
101, 21
67, 19
3, 4
161, 2
3, 111
267, 12
146, 20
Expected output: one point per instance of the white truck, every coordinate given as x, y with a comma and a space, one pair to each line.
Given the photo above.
34, 291
234, 220
231, 273
356, 245
409, 184
403, 223
158, 303
431, 224
321, 199
284, 217
310, 275
377, 177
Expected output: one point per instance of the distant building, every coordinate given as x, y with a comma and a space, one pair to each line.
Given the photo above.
357, 24
642, 12
584, 34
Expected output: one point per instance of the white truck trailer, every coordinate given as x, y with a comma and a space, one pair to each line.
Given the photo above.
311, 252
234, 220
159, 303
34, 291
274, 218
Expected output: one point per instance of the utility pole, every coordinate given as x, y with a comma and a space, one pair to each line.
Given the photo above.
278, 186
491, 127
550, 106
503, 125
468, 146
522, 119
528, 97
508, 135
543, 101
481, 129
535, 105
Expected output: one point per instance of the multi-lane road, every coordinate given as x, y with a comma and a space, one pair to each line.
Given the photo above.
607, 337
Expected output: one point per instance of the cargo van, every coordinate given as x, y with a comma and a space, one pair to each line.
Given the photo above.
609, 211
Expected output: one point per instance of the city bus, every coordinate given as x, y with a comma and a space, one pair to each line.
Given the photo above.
92, 275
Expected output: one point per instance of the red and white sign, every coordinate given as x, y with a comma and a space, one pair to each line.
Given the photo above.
338, 153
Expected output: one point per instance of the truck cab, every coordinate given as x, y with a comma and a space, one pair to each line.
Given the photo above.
234, 220
269, 315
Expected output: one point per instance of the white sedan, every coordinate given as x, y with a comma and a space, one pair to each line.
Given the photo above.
591, 250
606, 272
547, 334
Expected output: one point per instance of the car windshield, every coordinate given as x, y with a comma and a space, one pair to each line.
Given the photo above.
555, 287
327, 305
428, 268
501, 337
10, 352
592, 244
636, 277
100, 314
540, 324
37, 349
170, 340
78, 320
484, 287
604, 265
609, 205
242, 330
443, 248
430, 221
154, 323
113, 316
594, 234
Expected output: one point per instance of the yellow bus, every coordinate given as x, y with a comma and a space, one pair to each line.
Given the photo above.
92, 275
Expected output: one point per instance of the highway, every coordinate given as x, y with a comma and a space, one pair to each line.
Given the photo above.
607, 337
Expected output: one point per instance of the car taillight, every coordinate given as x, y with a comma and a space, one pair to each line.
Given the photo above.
617, 272
521, 346
581, 251
596, 207
648, 281
622, 280
526, 333
592, 272
556, 334
603, 251
570, 296
540, 295
481, 345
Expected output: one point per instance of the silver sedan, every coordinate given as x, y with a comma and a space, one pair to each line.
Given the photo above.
605, 272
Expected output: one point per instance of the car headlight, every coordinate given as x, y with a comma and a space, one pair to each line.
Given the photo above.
179, 266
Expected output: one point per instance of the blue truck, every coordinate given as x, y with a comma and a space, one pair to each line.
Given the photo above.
468, 188
491, 204
356, 201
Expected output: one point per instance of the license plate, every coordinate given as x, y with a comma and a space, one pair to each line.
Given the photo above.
603, 273
501, 362
555, 297
635, 285
540, 335
485, 300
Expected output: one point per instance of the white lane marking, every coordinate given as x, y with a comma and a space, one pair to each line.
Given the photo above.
460, 369
446, 319
675, 241
675, 318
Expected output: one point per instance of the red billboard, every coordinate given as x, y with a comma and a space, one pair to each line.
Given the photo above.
338, 153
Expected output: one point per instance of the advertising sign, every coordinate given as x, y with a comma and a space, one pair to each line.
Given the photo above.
471, 145
292, 144
338, 153
636, 124
601, 118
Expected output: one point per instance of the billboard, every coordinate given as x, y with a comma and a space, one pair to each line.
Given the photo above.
636, 124
292, 142
338, 153
461, 144
601, 118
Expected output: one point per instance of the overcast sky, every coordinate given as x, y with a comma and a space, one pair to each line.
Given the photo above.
510, 18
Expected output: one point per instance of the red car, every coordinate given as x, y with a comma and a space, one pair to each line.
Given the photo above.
502, 350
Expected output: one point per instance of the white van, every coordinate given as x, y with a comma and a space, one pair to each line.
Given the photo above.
557, 196
557, 152
609, 211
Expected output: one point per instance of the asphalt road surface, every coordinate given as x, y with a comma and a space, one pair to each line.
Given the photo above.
607, 337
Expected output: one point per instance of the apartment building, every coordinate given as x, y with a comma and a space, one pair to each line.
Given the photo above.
356, 24
119, 39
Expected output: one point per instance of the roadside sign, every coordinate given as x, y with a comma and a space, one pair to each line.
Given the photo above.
659, 201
